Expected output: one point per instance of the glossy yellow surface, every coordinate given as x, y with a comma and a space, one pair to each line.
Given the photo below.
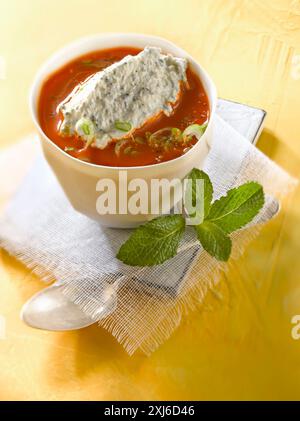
239, 346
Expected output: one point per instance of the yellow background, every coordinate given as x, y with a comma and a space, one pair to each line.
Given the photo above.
239, 346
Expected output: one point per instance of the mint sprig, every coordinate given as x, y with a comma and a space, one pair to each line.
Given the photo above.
158, 240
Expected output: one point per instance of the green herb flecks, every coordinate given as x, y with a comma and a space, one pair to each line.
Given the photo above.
87, 62
85, 128
124, 126
69, 149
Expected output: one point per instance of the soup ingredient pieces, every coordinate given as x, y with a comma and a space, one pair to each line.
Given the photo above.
166, 139
85, 129
69, 149
130, 91
124, 126
163, 137
171, 137
158, 240
120, 144
196, 130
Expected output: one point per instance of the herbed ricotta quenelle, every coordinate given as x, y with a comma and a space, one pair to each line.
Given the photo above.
122, 97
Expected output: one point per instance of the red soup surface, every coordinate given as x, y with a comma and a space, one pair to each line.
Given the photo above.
140, 148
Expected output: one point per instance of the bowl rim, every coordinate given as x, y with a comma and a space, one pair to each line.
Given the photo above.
42, 74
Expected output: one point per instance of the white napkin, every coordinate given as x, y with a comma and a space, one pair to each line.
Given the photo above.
42, 230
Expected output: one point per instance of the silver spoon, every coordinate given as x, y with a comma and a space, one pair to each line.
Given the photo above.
50, 309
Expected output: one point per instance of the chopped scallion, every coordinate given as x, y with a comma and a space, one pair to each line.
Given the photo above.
69, 149
196, 130
128, 150
175, 132
124, 126
85, 129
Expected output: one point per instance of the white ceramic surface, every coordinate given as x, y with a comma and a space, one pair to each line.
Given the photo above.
78, 178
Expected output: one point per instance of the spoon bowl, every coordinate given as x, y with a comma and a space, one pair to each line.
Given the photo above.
50, 309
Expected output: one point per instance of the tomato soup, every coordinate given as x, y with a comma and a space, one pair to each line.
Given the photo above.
159, 139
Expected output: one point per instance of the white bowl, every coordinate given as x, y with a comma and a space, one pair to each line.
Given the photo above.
79, 178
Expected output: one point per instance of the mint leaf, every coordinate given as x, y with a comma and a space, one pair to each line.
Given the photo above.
195, 175
214, 240
154, 242
238, 207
